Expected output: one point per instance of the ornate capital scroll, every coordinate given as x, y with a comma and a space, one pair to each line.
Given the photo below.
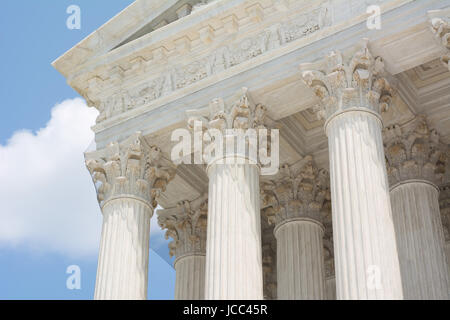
241, 113
414, 152
297, 191
132, 169
440, 26
186, 225
342, 84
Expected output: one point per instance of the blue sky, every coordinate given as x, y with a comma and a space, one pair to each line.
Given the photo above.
49, 218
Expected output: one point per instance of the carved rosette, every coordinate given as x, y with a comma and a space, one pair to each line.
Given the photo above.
441, 29
186, 225
297, 191
340, 84
130, 169
414, 152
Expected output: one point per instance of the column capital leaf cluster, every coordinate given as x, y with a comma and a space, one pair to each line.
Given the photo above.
349, 81
414, 152
297, 191
130, 169
186, 224
240, 112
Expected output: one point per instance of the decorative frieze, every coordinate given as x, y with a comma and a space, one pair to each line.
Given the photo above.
186, 225
414, 151
178, 76
344, 84
298, 191
131, 168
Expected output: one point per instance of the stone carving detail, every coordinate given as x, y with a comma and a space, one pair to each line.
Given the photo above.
201, 4
130, 168
300, 190
441, 29
304, 25
178, 77
241, 114
341, 84
186, 225
414, 152
444, 202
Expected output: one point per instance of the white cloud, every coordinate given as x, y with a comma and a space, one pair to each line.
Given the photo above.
47, 198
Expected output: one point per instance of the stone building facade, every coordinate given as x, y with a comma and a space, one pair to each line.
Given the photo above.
359, 206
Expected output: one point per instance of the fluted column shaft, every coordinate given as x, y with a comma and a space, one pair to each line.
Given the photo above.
366, 258
190, 277
420, 240
233, 248
300, 260
122, 272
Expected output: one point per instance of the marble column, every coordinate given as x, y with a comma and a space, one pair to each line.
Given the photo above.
127, 177
353, 92
300, 190
233, 247
415, 168
186, 225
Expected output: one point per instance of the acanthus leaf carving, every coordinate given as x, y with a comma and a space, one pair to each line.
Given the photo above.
186, 225
414, 152
357, 82
130, 168
297, 191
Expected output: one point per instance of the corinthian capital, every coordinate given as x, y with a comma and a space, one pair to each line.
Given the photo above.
414, 151
131, 168
297, 191
440, 26
341, 83
186, 225
239, 113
